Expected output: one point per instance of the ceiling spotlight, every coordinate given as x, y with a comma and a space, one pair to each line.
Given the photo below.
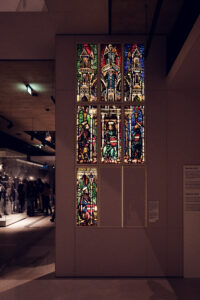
30, 90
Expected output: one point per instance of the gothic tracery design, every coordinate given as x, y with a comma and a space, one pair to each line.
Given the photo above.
110, 73
86, 72
134, 73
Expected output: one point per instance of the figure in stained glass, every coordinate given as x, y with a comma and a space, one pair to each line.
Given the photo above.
87, 134
134, 73
110, 72
111, 134
87, 197
87, 72
134, 134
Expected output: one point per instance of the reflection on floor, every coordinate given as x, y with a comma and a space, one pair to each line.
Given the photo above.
27, 271
7, 220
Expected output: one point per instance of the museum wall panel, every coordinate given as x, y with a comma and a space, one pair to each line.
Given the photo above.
131, 235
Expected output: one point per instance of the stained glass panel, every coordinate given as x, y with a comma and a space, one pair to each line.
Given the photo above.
86, 197
87, 134
86, 72
110, 134
110, 72
134, 72
134, 134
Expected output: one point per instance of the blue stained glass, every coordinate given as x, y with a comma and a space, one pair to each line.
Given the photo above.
134, 134
134, 72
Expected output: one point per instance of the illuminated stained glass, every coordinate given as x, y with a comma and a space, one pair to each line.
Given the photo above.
110, 72
86, 197
110, 134
87, 134
134, 72
134, 134
86, 72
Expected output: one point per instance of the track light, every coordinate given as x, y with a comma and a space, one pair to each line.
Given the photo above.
30, 163
30, 90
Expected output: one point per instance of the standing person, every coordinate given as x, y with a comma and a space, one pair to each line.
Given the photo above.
40, 186
9, 202
46, 199
1, 189
30, 197
54, 208
13, 198
35, 196
25, 188
4, 195
21, 196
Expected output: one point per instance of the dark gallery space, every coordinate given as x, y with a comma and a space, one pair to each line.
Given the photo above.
99, 149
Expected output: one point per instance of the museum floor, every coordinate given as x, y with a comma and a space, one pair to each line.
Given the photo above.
27, 264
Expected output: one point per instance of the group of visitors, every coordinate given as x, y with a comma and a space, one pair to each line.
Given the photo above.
33, 196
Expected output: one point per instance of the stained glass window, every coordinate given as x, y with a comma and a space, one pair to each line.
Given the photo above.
110, 72
110, 134
110, 116
86, 134
86, 196
134, 72
86, 72
134, 134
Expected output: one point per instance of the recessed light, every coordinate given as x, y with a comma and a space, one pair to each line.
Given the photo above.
30, 90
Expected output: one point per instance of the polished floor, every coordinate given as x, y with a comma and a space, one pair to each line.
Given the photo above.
27, 272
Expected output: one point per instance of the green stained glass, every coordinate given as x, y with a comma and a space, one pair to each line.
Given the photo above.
110, 134
86, 134
86, 72
86, 209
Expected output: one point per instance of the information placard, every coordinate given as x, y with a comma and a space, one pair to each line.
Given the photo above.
192, 188
153, 211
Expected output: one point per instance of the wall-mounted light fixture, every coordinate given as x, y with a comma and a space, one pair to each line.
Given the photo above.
30, 90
